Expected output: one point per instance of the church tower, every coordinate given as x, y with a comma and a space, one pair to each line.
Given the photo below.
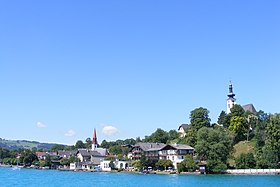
94, 140
231, 99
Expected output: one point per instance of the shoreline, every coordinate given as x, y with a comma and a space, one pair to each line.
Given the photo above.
258, 172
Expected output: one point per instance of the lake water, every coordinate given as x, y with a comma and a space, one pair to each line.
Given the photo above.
33, 177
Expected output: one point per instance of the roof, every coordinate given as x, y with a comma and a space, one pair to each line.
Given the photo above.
101, 151
150, 146
42, 154
64, 153
87, 152
182, 146
184, 126
249, 107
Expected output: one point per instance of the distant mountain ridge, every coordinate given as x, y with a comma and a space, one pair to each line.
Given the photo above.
24, 144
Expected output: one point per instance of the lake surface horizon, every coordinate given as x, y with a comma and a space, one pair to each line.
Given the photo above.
34, 177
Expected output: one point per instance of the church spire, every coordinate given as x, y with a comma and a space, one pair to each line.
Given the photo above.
231, 99
230, 93
94, 140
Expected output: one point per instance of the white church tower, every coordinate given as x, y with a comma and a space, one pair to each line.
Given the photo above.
231, 99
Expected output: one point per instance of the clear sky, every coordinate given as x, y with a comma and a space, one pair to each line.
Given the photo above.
129, 67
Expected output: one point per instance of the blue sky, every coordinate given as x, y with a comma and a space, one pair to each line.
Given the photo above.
127, 68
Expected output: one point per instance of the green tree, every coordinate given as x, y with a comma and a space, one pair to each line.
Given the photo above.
239, 126
145, 162
4, 153
57, 147
137, 164
88, 143
245, 161
199, 118
130, 141
79, 144
181, 167
237, 110
138, 139
105, 144
172, 135
27, 157
189, 164
115, 150
215, 166
260, 129
64, 162
10, 161
224, 119
73, 159
270, 153
48, 161
164, 164
213, 144
159, 136
191, 136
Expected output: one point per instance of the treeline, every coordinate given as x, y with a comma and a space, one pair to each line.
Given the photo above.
213, 142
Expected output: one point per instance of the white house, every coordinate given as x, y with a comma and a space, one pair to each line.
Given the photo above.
105, 165
176, 153
183, 129
75, 166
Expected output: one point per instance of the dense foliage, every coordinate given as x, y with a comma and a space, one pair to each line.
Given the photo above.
213, 143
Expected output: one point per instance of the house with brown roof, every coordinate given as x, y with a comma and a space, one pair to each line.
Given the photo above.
175, 152
150, 150
156, 151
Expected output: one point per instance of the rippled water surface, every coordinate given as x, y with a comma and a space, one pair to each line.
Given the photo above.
33, 177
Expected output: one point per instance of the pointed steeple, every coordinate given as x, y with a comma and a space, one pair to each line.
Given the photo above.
230, 93
231, 100
94, 140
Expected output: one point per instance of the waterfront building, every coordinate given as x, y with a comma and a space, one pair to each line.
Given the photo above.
150, 150
176, 153
156, 151
66, 154
42, 155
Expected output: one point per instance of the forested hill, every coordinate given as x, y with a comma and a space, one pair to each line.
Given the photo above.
17, 144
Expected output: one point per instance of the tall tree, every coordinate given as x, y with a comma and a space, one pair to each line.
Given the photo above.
237, 110
239, 126
224, 119
159, 136
4, 153
191, 136
163, 164
27, 157
88, 143
271, 150
79, 144
213, 144
57, 147
199, 117
245, 161
260, 128
188, 164
173, 134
